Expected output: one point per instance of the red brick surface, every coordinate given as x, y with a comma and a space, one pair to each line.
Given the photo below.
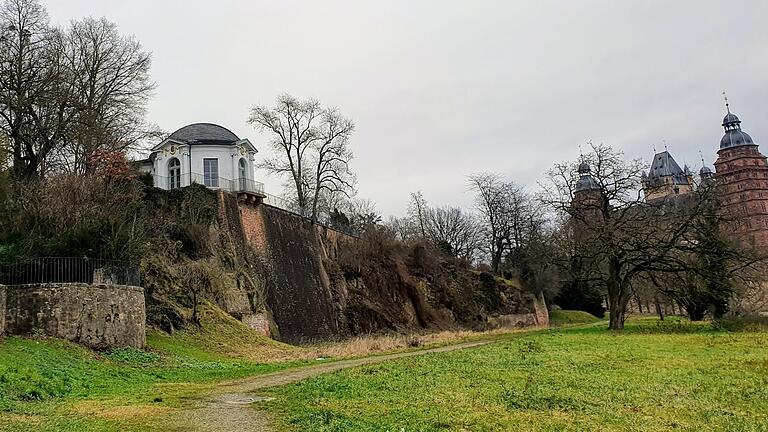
741, 174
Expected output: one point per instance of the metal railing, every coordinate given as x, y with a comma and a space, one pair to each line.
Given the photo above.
70, 270
229, 185
279, 202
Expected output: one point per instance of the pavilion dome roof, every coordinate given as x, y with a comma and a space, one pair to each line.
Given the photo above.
204, 133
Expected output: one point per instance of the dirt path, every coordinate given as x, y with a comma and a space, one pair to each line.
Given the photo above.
230, 408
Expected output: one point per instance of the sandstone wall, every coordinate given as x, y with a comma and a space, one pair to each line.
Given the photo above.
297, 285
98, 316
319, 283
539, 317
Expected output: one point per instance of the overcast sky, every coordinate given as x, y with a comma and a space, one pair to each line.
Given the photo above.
443, 89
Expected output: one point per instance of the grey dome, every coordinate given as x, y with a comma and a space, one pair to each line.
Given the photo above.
730, 118
705, 170
205, 133
734, 138
586, 181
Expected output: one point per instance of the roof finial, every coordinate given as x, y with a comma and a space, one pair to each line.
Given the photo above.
701, 155
663, 141
654, 148
727, 105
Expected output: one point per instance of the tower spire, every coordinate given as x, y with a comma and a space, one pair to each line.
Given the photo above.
727, 105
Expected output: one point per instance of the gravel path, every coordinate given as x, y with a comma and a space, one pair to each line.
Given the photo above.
230, 407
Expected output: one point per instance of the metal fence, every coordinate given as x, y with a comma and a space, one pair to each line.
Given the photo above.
229, 185
70, 270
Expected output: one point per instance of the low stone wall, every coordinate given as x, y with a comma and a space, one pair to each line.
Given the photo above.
538, 318
98, 316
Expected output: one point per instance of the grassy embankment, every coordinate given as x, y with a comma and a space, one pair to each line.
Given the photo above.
48, 384
52, 385
571, 317
674, 375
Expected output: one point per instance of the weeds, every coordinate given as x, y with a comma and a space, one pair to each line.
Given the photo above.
133, 356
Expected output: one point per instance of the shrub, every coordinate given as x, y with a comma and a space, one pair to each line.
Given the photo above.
746, 323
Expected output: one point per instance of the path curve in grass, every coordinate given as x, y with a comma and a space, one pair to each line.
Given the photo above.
230, 408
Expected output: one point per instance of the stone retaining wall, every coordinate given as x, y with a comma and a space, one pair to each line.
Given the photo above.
98, 316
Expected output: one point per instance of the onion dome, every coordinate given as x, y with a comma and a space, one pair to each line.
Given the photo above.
586, 182
734, 136
705, 171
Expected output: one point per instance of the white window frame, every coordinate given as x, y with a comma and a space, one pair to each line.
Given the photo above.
211, 178
174, 173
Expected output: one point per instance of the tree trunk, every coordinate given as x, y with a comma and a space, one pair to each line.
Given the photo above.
696, 312
616, 317
618, 296
496, 258
659, 310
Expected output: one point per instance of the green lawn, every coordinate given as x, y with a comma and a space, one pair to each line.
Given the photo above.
671, 376
53, 385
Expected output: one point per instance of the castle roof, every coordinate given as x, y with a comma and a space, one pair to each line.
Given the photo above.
734, 136
586, 182
663, 166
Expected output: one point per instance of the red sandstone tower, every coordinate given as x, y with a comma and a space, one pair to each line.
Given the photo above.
741, 173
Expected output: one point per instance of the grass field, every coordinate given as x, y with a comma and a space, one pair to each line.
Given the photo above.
53, 385
670, 376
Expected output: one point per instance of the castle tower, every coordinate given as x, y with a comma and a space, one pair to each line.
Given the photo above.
587, 196
741, 174
706, 175
666, 178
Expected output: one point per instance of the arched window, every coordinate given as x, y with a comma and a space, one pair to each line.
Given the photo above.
243, 174
174, 173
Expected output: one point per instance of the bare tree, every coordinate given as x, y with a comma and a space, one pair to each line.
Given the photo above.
293, 125
417, 213
331, 157
111, 86
313, 149
618, 236
708, 265
30, 96
453, 229
505, 214
67, 93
